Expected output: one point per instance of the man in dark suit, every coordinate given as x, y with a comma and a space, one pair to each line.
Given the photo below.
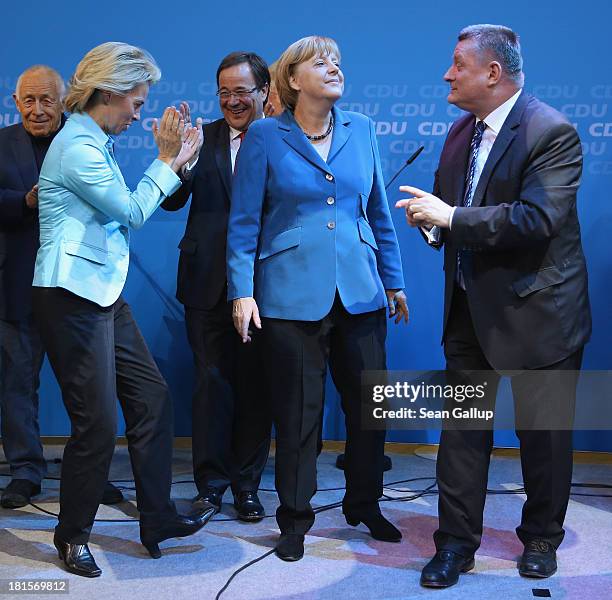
516, 296
231, 420
38, 97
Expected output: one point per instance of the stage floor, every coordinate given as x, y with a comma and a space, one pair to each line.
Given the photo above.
341, 562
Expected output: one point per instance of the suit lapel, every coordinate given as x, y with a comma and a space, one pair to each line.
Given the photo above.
457, 164
295, 137
223, 158
25, 159
502, 142
341, 133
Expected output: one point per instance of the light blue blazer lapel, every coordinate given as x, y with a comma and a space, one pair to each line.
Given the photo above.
341, 134
294, 136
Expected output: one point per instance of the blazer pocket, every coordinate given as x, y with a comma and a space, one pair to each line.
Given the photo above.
366, 234
188, 246
283, 241
86, 251
537, 281
363, 204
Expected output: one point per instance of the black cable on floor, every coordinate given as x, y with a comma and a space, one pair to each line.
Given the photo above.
413, 495
242, 568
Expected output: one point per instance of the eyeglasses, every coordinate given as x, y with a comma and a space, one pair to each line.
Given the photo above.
239, 94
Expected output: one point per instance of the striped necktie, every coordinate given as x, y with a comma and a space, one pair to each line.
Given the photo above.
474, 147
469, 190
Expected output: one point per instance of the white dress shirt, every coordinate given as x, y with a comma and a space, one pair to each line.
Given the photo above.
234, 136
494, 122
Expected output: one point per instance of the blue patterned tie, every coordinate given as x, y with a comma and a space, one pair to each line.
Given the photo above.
469, 186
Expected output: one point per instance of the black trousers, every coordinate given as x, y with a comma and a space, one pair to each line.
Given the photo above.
21, 357
296, 355
231, 413
464, 455
98, 355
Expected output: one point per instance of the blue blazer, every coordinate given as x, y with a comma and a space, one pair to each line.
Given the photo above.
301, 228
18, 223
85, 212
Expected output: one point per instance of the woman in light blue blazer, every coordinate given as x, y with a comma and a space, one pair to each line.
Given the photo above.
93, 343
313, 261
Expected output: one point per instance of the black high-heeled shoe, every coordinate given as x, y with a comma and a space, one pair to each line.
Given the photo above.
77, 558
177, 526
380, 528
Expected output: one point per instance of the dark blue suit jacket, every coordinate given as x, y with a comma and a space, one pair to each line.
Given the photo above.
18, 223
301, 228
201, 274
527, 282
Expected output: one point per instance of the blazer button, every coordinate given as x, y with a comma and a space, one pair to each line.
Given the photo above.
329, 177
331, 225
330, 200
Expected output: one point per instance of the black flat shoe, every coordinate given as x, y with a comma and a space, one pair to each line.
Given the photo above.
112, 495
539, 559
444, 568
249, 507
177, 526
290, 547
211, 496
77, 558
18, 493
380, 528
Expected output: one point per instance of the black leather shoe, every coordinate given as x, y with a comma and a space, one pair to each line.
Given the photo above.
290, 546
444, 568
18, 493
249, 507
177, 526
387, 464
112, 495
77, 558
539, 559
212, 496
380, 528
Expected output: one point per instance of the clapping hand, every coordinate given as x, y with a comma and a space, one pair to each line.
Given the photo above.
190, 147
169, 136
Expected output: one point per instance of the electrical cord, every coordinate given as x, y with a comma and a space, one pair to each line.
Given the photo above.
410, 496
242, 568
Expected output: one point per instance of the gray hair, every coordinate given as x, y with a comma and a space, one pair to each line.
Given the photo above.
59, 81
499, 42
111, 67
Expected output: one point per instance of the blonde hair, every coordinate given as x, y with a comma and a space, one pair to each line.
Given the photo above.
297, 53
59, 82
111, 67
272, 69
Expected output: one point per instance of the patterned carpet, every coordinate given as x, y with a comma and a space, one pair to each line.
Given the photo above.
341, 562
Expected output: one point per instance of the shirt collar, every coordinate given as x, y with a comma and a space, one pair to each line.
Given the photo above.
496, 119
88, 123
234, 133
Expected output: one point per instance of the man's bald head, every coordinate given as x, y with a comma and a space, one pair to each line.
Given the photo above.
39, 97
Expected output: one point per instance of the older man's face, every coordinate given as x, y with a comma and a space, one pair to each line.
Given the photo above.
468, 77
39, 102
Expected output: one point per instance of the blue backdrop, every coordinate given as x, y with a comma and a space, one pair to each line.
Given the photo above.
393, 56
